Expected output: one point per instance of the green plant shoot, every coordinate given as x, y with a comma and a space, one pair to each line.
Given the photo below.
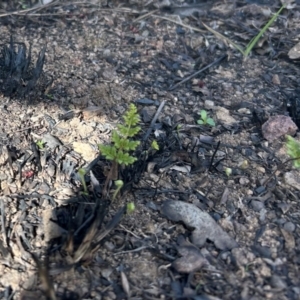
119, 152
40, 144
253, 42
205, 120
293, 150
81, 173
228, 171
154, 145
119, 184
130, 207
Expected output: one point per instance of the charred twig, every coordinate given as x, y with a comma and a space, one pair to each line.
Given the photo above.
36, 155
109, 227
277, 169
100, 212
213, 156
154, 120
198, 72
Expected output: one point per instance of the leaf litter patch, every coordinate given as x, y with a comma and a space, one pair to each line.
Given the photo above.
76, 224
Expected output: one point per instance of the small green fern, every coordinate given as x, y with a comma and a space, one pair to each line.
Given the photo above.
293, 150
121, 138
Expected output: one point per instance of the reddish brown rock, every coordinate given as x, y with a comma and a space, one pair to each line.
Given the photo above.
278, 126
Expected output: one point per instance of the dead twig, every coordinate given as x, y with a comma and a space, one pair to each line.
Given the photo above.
198, 72
277, 169
145, 15
154, 120
25, 11
213, 156
180, 23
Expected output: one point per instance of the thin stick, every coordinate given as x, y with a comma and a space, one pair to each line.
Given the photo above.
198, 72
22, 12
213, 156
278, 168
180, 23
145, 15
133, 250
154, 120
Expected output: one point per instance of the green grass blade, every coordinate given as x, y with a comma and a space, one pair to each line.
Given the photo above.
221, 36
265, 28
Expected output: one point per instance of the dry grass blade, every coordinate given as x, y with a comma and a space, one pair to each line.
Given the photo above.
146, 15
179, 23
85, 246
253, 42
92, 240
265, 28
221, 36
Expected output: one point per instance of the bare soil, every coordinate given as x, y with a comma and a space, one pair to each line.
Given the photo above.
237, 235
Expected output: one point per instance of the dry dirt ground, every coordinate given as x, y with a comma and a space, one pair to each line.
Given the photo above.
197, 231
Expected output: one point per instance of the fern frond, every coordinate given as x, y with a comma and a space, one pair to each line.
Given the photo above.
134, 131
293, 150
125, 158
122, 143
131, 117
110, 152
128, 131
132, 145
115, 137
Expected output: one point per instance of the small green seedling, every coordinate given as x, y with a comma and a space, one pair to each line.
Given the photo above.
81, 173
154, 145
228, 171
23, 4
40, 144
50, 96
253, 42
119, 152
130, 207
205, 120
293, 150
119, 184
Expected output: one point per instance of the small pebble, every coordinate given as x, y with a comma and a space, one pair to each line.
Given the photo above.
244, 180
257, 205
284, 207
278, 126
293, 179
109, 246
289, 226
208, 104
278, 282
